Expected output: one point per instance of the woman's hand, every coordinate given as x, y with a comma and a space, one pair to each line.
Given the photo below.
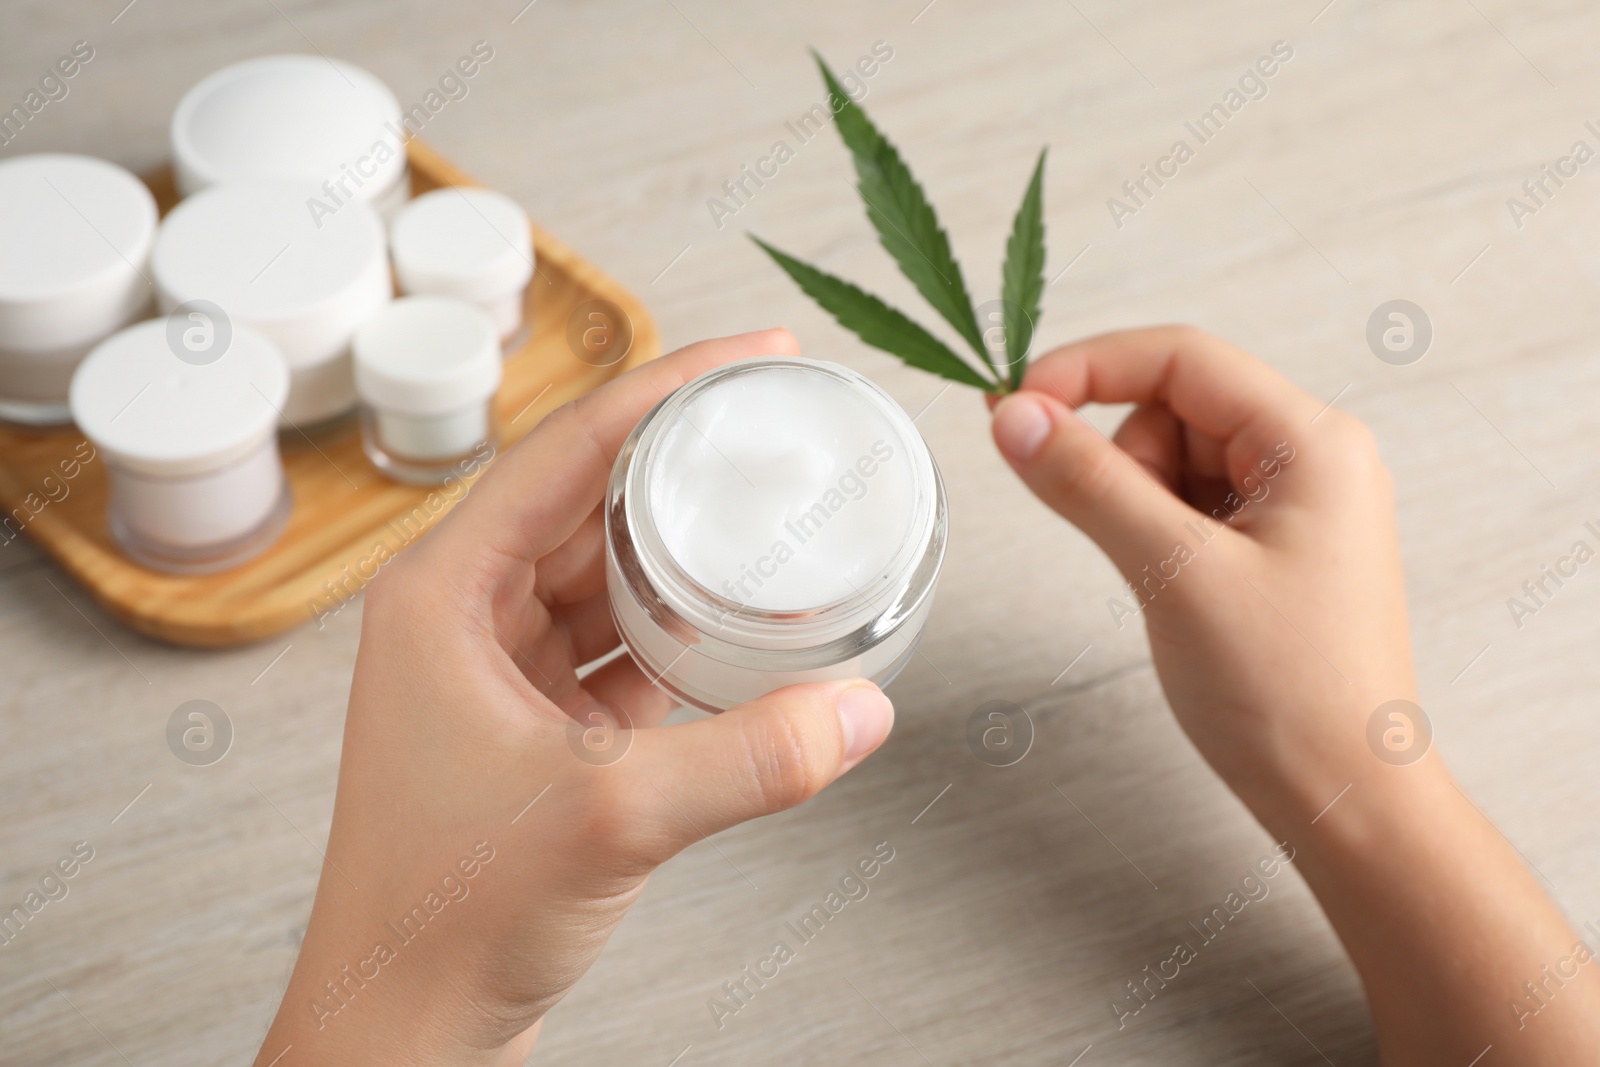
1256, 526
1257, 532
486, 837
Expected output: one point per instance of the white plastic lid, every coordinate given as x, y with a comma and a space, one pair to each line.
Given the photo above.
427, 355
255, 251
75, 233
298, 118
152, 412
471, 243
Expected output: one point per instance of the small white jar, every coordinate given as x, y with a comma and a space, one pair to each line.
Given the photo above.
253, 252
191, 448
427, 368
773, 521
475, 244
75, 239
310, 120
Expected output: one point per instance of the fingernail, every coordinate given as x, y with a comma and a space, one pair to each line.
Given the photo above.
1021, 424
866, 716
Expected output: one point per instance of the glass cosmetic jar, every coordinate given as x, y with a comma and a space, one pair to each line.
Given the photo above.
317, 122
191, 448
773, 521
75, 238
427, 368
253, 252
475, 244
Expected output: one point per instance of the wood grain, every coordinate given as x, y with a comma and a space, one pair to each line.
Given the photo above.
345, 512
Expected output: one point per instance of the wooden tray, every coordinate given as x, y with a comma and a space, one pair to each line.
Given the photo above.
344, 509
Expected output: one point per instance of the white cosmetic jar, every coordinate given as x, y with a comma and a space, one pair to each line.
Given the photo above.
313, 121
191, 447
75, 239
773, 521
427, 368
475, 244
255, 253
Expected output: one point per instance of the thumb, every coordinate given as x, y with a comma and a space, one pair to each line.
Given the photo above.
761, 757
1092, 483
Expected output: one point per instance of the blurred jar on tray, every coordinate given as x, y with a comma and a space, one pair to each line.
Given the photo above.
474, 244
190, 444
75, 240
249, 254
307, 120
427, 368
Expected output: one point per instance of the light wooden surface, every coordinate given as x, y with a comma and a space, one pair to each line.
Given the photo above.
1377, 167
347, 516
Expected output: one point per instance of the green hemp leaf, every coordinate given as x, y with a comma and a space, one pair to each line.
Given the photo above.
909, 230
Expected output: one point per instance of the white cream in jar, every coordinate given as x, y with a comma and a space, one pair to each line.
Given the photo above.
191, 448
320, 123
251, 250
475, 244
75, 240
427, 368
773, 521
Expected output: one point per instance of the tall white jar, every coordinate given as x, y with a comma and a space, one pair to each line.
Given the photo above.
190, 444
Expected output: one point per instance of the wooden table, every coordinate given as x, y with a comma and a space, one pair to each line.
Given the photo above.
1021, 900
